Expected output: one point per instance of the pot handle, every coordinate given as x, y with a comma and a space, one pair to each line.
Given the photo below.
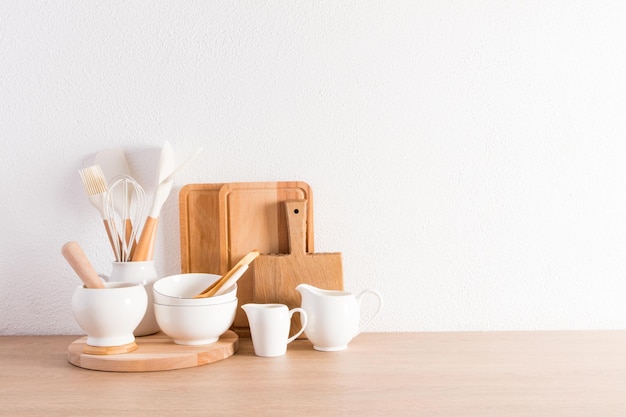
359, 299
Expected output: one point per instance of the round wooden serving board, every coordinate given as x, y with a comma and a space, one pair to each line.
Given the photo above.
154, 353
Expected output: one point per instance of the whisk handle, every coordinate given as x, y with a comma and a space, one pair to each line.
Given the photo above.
144, 251
107, 227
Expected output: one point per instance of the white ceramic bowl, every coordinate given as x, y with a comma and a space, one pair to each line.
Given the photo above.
195, 324
180, 290
110, 315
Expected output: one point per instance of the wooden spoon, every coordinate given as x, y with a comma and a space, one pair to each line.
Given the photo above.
81, 265
214, 288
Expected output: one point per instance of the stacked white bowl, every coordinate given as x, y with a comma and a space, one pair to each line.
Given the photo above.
188, 320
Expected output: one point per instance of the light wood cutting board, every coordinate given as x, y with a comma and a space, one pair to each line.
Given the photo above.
276, 276
199, 213
221, 223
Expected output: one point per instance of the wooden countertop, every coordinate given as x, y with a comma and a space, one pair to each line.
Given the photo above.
381, 374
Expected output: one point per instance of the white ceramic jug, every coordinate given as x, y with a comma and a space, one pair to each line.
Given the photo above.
144, 273
269, 327
334, 316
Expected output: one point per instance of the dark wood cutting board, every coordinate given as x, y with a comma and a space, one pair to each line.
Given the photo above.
277, 275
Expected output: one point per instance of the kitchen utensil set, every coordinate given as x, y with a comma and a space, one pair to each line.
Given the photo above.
121, 201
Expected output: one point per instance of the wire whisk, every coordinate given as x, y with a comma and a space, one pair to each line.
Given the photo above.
124, 206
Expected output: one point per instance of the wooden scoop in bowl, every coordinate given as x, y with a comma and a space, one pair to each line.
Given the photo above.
229, 278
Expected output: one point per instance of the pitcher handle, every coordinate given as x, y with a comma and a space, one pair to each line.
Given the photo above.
303, 320
359, 299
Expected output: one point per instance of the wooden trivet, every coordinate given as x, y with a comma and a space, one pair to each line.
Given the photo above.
157, 352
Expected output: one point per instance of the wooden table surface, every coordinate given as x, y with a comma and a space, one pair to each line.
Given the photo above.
580, 373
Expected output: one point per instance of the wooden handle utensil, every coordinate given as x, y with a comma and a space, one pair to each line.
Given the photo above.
79, 262
214, 288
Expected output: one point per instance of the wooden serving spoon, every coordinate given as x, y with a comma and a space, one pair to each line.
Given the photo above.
79, 262
214, 288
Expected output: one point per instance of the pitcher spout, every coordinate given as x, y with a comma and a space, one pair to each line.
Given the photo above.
310, 294
305, 289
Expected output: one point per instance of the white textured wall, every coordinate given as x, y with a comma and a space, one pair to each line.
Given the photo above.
467, 157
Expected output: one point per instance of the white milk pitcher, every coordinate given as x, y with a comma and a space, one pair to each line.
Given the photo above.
142, 272
269, 327
334, 316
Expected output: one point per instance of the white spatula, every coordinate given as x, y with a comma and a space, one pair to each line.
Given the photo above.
145, 247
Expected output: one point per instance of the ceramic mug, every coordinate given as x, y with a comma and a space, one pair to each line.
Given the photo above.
109, 315
270, 325
142, 272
